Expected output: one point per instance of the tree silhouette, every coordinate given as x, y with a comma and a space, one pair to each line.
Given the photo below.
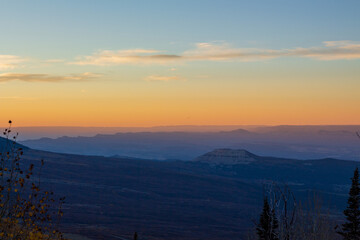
351, 228
268, 224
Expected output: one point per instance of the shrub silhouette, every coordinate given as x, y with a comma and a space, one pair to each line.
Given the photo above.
26, 211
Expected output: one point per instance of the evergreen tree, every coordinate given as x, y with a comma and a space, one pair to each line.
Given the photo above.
351, 228
275, 226
268, 224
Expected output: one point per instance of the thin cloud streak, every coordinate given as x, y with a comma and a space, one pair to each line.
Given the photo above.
132, 56
163, 78
16, 98
331, 50
26, 77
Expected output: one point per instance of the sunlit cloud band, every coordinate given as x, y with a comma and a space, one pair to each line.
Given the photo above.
10, 61
6, 77
330, 50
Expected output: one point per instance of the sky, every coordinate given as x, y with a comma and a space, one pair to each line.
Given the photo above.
150, 63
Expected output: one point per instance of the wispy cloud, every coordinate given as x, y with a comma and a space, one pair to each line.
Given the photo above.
333, 50
163, 78
16, 98
30, 77
132, 56
10, 61
330, 50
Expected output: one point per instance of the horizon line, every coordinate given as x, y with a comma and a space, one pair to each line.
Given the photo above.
182, 125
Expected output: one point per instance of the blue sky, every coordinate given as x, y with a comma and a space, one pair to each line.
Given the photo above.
81, 26
288, 59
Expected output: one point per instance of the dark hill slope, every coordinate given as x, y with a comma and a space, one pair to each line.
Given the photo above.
208, 198
109, 197
5, 144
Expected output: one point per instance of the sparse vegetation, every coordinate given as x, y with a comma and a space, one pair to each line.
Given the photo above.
26, 211
293, 220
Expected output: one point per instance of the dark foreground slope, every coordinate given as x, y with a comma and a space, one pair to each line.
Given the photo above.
109, 197
208, 198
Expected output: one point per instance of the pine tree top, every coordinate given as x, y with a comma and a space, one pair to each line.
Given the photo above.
351, 228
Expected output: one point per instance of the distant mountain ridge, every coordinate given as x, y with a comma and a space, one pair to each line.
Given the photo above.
28, 133
306, 142
74, 131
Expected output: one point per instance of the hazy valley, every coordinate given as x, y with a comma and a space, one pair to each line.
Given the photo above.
215, 195
302, 142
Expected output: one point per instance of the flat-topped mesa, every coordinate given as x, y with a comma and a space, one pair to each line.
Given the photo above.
227, 157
